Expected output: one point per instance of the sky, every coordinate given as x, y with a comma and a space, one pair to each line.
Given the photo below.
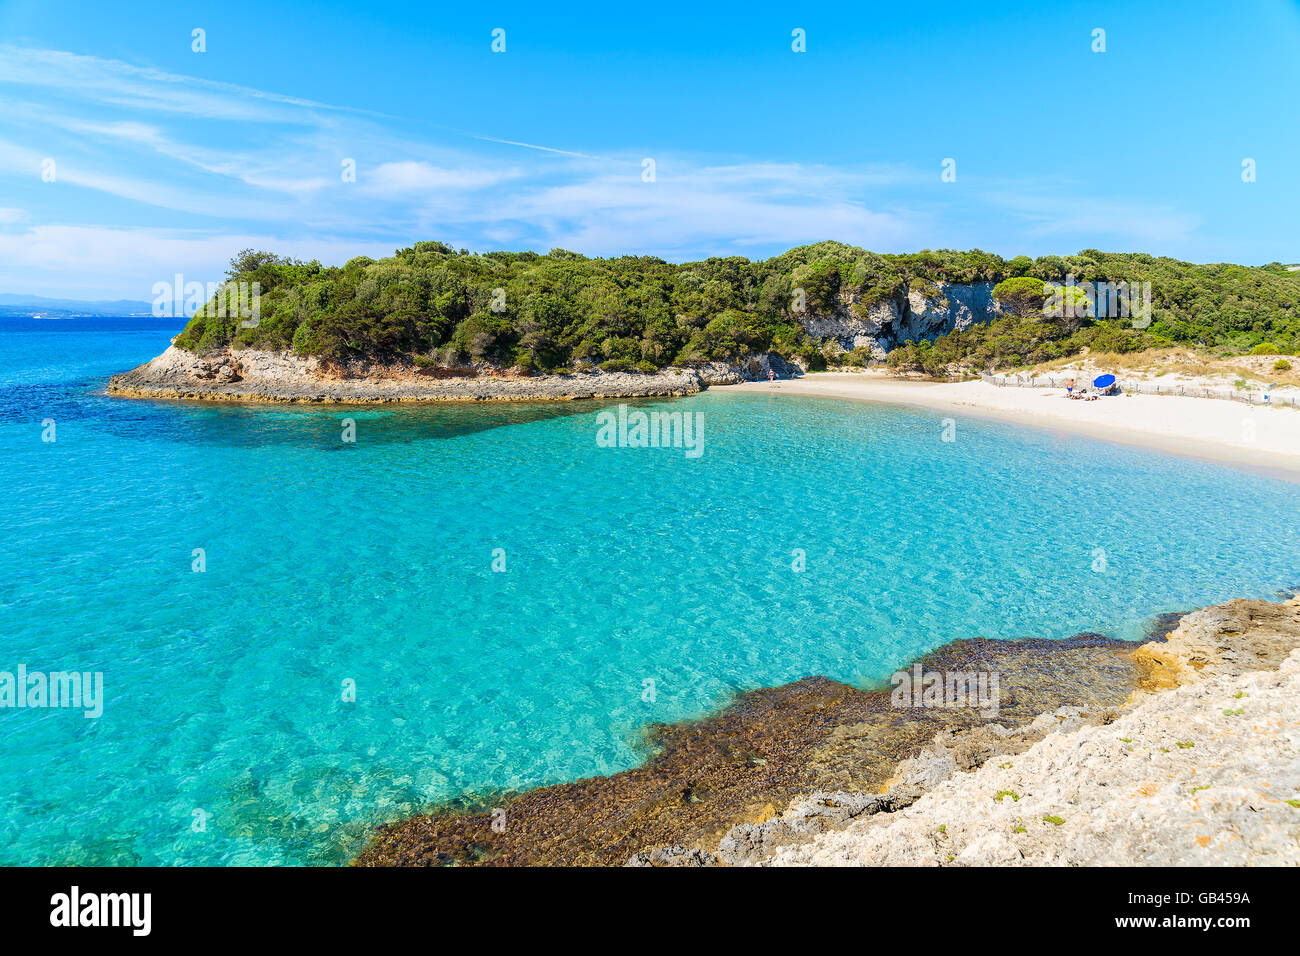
128, 156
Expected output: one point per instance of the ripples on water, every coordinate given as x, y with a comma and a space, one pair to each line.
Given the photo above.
372, 562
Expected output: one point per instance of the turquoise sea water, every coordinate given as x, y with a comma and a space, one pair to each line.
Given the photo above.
372, 562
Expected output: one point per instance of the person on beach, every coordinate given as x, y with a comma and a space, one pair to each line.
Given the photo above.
771, 375
1069, 389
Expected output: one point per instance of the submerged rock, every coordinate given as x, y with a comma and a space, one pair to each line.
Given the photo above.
817, 749
1084, 763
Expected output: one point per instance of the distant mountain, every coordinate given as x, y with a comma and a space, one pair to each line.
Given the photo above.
10, 302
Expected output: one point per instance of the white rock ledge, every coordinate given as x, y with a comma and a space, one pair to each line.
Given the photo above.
251, 375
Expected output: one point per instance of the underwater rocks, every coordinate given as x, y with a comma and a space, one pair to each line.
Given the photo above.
1089, 761
763, 753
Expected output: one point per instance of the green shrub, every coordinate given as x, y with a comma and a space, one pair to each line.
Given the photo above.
1264, 348
305, 339
858, 358
616, 365
1281, 365
623, 348
484, 335
814, 360
1022, 296
821, 284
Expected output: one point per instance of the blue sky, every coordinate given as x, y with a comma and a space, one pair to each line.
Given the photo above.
167, 160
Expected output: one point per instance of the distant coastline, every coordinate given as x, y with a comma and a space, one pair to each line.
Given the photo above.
13, 304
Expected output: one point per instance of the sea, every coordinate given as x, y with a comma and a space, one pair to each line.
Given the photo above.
308, 621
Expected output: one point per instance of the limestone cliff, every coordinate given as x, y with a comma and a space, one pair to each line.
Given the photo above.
910, 314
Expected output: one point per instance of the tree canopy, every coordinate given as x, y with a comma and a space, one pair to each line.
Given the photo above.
562, 310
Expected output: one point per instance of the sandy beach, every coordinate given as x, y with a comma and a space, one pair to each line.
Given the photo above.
1255, 437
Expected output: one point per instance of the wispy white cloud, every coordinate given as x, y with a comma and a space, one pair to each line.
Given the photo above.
91, 261
1127, 223
693, 208
287, 175
74, 170
272, 177
113, 82
543, 149
405, 179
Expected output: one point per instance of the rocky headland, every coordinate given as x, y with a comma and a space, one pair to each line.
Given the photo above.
260, 375
253, 375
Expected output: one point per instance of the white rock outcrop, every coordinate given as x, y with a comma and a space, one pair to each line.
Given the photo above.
254, 375
1207, 774
911, 315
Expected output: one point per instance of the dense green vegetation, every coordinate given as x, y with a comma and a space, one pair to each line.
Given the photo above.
1016, 341
563, 310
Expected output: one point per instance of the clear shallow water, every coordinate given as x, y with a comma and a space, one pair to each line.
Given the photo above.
372, 561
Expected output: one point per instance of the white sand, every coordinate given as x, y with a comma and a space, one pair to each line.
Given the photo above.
1255, 437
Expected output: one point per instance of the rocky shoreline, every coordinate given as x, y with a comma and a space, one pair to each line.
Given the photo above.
251, 375
1184, 749
1201, 767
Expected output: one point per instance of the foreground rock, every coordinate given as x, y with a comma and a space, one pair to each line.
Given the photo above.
748, 762
250, 375
1207, 773
1082, 764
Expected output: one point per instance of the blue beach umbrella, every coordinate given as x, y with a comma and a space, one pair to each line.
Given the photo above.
1103, 381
